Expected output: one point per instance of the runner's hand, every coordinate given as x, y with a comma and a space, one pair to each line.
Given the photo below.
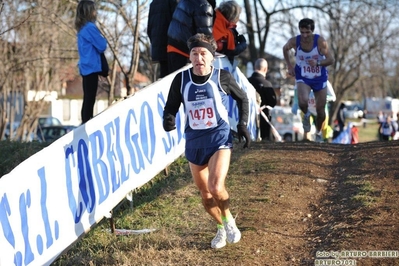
169, 122
243, 132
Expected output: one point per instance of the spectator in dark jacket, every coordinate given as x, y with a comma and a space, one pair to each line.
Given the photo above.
189, 18
266, 92
159, 17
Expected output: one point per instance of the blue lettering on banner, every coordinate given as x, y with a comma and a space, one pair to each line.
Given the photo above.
114, 154
95, 167
111, 155
24, 203
86, 184
132, 143
99, 171
70, 164
99, 167
124, 173
5, 211
46, 220
147, 132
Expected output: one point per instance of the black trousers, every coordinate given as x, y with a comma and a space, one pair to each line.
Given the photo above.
176, 61
164, 68
264, 127
90, 84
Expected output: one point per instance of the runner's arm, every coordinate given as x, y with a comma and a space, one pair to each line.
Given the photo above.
174, 97
231, 87
291, 44
323, 49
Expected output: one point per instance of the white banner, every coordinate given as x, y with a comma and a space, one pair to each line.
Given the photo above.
58, 194
224, 63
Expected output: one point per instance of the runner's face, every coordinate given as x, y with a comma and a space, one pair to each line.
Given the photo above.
201, 58
306, 34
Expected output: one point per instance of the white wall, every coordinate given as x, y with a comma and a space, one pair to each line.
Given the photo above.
68, 111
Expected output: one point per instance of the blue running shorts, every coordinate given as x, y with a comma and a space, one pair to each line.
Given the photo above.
201, 156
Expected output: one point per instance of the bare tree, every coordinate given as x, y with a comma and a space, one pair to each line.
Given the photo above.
39, 52
7, 51
121, 23
360, 36
32, 58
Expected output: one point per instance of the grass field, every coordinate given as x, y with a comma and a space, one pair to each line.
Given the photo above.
367, 133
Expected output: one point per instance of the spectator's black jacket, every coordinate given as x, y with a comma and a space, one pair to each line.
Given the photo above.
265, 90
190, 17
159, 17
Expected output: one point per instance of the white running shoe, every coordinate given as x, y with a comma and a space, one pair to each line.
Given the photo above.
306, 122
219, 240
232, 232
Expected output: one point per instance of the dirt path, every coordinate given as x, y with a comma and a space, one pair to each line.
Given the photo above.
292, 201
305, 198
283, 190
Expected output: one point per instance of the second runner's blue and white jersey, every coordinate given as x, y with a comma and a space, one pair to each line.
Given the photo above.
310, 75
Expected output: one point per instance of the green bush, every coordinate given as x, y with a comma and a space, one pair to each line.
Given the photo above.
12, 153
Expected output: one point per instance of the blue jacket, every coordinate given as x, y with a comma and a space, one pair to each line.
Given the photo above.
190, 17
90, 44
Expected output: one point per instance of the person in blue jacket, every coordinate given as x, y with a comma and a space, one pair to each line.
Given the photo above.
91, 44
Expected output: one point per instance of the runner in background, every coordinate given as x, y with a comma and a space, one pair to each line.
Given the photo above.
312, 56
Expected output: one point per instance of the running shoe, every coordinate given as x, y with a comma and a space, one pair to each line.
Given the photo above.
219, 240
306, 122
319, 138
232, 232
